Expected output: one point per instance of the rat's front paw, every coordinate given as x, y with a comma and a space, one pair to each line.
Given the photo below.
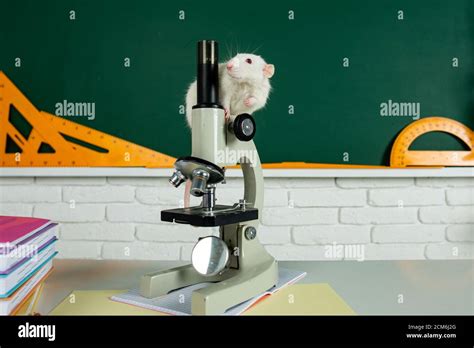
250, 101
226, 114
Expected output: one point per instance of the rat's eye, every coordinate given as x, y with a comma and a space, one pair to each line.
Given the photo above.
248, 60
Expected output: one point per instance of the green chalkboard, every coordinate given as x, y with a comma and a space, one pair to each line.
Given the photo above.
336, 62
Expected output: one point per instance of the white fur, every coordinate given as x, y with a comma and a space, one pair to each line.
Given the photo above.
243, 88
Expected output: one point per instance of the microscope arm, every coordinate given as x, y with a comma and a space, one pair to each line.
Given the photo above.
252, 172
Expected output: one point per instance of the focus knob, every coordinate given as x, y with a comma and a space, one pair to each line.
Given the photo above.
243, 127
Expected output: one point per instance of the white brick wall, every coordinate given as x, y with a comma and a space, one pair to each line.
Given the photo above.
70, 212
460, 233
141, 251
370, 215
299, 216
29, 194
460, 196
446, 215
406, 197
416, 233
303, 219
134, 213
340, 234
100, 194
332, 197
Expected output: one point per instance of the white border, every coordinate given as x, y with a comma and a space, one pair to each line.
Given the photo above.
232, 173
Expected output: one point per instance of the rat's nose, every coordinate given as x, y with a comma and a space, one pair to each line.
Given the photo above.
230, 65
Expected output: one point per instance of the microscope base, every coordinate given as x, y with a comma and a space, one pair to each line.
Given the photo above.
250, 272
162, 282
217, 298
231, 288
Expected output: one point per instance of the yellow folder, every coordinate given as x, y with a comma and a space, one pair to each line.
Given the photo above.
297, 299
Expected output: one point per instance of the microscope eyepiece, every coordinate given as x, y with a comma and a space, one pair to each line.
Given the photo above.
207, 74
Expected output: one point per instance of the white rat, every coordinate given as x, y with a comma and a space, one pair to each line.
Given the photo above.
244, 86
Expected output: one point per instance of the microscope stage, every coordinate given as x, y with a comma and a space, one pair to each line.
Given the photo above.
221, 215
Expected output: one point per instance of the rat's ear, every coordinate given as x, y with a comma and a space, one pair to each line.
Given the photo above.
268, 70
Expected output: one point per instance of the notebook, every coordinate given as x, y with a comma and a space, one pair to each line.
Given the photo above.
40, 266
12, 303
27, 249
7, 265
14, 229
18, 275
179, 302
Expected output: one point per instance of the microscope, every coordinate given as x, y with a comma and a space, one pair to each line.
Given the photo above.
235, 263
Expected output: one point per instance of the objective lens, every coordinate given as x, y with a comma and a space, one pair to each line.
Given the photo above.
177, 178
199, 183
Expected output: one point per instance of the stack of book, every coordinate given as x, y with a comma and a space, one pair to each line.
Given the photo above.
27, 249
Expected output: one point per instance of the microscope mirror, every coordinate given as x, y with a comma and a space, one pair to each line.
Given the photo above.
210, 256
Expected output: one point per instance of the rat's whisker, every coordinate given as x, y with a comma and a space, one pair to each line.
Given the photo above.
255, 50
227, 50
